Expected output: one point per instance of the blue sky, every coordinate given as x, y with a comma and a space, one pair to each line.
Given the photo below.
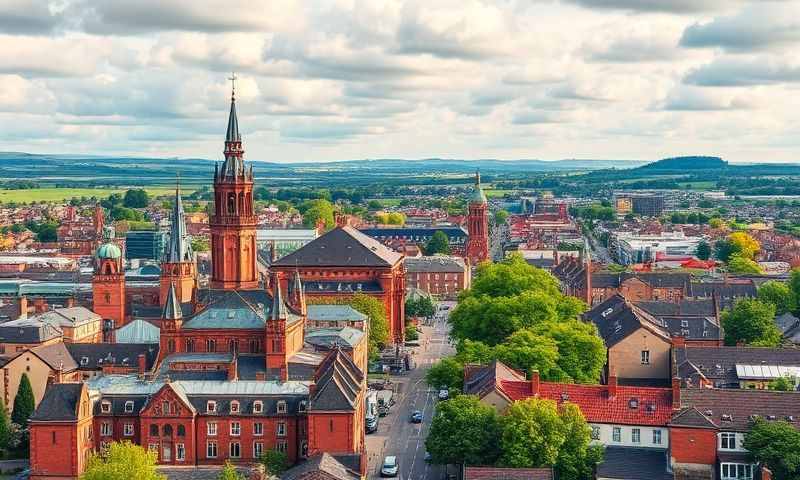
347, 79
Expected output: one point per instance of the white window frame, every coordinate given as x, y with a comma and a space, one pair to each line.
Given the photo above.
105, 406
280, 429
645, 357
636, 435
209, 446
616, 434
211, 406
730, 437
106, 430
211, 429
735, 466
128, 430
282, 407
235, 407
281, 446
657, 436
258, 406
129, 406
238, 449
258, 429
258, 449
236, 429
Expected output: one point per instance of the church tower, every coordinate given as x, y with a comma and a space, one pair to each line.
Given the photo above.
108, 283
478, 225
277, 364
233, 224
178, 268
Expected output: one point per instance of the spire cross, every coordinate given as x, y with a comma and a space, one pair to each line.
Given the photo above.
233, 79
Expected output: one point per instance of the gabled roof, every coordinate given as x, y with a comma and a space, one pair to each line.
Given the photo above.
234, 309
172, 309
93, 356
617, 318
724, 289
654, 279
338, 383
743, 406
59, 404
686, 307
693, 418
56, 356
480, 380
138, 331
342, 247
322, 466
719, 363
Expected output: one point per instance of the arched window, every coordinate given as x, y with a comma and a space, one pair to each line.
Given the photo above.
181, 431
153, 430
167, 430
189, 345
233, 346
231, 204
211, 345
171, 346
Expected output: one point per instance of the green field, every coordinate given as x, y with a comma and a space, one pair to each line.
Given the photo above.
700, 185
62, 194
496, 193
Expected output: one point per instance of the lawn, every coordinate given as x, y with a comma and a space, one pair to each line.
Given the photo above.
496, 193
62, 194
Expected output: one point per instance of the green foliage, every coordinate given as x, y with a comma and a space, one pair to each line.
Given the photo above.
778, 294
46, 232
369, 306
275, 462
374, 205
616, 268
201, 244
447, 372
125, 213
317, 210
743, 266
581, 351
776, 445
524, 350
501, 216
411, 333
751, 321
783, 384
391, 218
24, 403
744, 245
139, 226
794, 285
123, 461
464, 430
703, 250
438, 243
595, 211
420, 307
5, 426
229, 472
136, 199
576, 459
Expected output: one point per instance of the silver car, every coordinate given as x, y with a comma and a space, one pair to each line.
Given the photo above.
390, 467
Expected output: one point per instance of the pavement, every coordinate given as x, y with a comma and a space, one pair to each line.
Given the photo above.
396, 434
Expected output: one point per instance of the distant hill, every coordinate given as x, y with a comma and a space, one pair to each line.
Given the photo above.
686, 163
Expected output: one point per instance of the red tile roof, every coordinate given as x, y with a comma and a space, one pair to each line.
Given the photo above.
654, 405
497, 473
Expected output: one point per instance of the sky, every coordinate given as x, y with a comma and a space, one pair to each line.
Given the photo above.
322, 80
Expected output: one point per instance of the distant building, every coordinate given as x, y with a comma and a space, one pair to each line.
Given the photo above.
284, 240
145, 244
456, 236
649, 204
442, 276
635, 248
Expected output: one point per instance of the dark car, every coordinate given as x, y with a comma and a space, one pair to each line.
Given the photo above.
416, 416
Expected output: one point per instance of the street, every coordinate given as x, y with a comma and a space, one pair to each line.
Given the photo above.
396, 434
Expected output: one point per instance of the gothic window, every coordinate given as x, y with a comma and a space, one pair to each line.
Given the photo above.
211, 345
171, 346
108, 297
189, 345
231, 204
181, 431
233, 346
167, 430
153, 430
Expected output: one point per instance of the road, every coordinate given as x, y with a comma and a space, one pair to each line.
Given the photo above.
396, 435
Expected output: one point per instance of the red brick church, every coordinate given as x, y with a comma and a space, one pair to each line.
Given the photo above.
234, 377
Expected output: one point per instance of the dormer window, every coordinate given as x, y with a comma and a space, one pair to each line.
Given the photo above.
281, 406
234, 406
258, 406
84, 361
302, 406
129, 406
211, 406
633, 403
105, 406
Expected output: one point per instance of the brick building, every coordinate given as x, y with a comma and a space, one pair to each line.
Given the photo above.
477, 249
442, 276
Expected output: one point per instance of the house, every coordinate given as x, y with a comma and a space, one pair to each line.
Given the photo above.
733, 367
43, 365
335, 316
639, 286
440, 275
322, 466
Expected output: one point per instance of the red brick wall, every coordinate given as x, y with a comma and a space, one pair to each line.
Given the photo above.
331, 432
294, 428
693, 445
60, 449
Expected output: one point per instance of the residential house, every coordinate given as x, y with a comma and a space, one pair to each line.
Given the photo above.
733, 367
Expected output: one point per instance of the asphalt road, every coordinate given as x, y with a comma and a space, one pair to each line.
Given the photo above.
396, 434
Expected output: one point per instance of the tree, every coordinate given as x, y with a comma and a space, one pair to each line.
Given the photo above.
783, 384
5, 427
776, 444
743, 244
136, 199
577, 458
778, 294
703, 250
447, 372
525, 350
743, 266
581, 351
438, 243
411, 333
716, 222
378, 325
465, 431
374, 205
24, 403
229, 472
275, 462
315, 211
422, 306
723, 249
501, 216
794, 284
200, 244
122, 461
125, 213
752, 322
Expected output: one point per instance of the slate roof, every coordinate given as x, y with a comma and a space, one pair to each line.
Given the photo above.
338, 383
718, 364
59, 403
454, 234
480, 380
634, 464
693, 418
438, 263
322, 466
230, 309
92, 356
686, 307
724, 290
741, 405
654, 279
334, 313
328, 337
28, 331
56, 356
138, 331
616, 318
571, 271
342, 247
786, 322
67, 317
500, 473
155, 311
692, 328
342, 287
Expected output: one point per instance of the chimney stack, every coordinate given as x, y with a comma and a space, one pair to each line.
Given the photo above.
676, 393
23, 307
535, 382
612, 385
142, 362
70, 302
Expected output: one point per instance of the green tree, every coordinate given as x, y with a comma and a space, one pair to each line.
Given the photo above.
136, 199
743, 266
447, 372
778, 294
396, 218
374, 205
752, 322
438, 243
5, 426
743, 244
201, 244
703, 250
122, 461
24, 403
317, 210
501, 216
229, 472
775, 444
526, 351
581, 351
378, 325
723, 249
275, 462
794, 285
783, 384
577, 458
420, 307
125, 213
463, 431
411, 333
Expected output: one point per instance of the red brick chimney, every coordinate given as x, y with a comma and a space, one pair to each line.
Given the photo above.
70, 302
320, 227
535, 382
232, 373
676, 393
142, 363
612, 385
23, 307
39, 305
678, 341
342, 220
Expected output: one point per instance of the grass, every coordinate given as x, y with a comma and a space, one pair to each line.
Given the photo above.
496, 193
62, 194
704, 185
388, 202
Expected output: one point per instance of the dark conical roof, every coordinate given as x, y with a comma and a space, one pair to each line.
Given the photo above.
278, 305
179, 249
233, 125
477, 194
172, 309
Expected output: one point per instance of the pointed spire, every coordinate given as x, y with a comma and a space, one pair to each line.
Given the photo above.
233, 167
477, 177
232, 134
298, 294
477, 194
172, 309
278, 304
180, 250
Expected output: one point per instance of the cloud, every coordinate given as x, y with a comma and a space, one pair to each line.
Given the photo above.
756, 27
51, 57
535, 117
694, 99
28, 17
634, 49
670, 6
750, 71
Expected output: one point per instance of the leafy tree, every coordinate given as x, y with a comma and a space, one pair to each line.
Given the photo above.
703, 250
716, 222
378, 325
123, 461
229, 472
396, 218
794, 284
374, 205
743, 244
447, 372
776, 444
24, 403
752, 322
743, 266
464, 430
275, 462
136, 199
201, 244
783, 384
723, 249
420, 307
778, 294
577, 458
438, 243
411, 333
317, 210
525, 350
125, 213
5, 426
501, 216
581, 351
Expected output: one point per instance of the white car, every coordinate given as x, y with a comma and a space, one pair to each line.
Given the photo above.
390, 467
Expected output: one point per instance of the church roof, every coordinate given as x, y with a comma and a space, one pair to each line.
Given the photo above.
338, 383
172, 309
234, 309
342, 247
477, 193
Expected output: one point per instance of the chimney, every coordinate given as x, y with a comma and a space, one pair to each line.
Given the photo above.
676, 393
273, 252
678, 341
612, 385
70, 302
342, 220
142, 362
23, 307
39, 305
232, 373
535, 382
320, 227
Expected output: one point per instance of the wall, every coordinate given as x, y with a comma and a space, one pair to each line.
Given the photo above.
624, 358
38, 373
646, 436
693, 446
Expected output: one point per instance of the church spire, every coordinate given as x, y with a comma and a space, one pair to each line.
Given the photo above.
233, 122
278, 304
233, 167
172, 309
179, 249
477, 194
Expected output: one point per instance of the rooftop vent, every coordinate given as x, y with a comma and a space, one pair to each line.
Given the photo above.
564, 396
651, 407
708, 413
771, 417
727, 418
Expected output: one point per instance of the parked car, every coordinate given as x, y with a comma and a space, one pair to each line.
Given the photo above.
390, 467
416, 416
444, 393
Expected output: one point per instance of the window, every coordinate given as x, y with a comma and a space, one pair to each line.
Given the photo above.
258, 428
281, 446
281, 406
211, 345
129, 406
181, 431
258, 406
105, 429
180, 452
234, 407
236, 428
153, 430
280, 429
636, 435
302, 407
235, 450
684, 323
167, 430
212, 428
727, 441
258, 449
616, 434
595, 433
657, 436
645, 357
211, 407
736, 471
165, 408
189, 345
211, 449
127, 430
105, 406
